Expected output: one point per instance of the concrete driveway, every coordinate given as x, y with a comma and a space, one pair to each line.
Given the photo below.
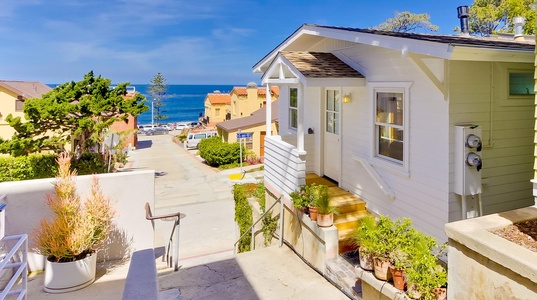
184, 184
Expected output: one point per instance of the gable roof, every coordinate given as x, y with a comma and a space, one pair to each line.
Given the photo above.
218, 98
261, 91
320, 65
26, 89
257, 118
308, 36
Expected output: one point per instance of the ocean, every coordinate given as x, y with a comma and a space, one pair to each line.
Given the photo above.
183, 102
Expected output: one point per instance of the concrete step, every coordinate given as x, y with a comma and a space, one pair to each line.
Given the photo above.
341, 273
349, 220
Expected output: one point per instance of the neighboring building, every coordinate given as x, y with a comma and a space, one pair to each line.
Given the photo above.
246, 100
12, 97
384, 109
130, 127
217, 106
254, 125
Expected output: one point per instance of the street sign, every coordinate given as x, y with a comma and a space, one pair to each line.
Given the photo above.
244, 135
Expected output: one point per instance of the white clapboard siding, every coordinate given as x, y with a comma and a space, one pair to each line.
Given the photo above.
422, 193
284, 169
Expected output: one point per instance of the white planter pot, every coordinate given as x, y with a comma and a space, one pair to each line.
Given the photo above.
69, 276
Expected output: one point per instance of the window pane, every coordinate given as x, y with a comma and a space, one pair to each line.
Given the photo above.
330, 100
390, 142
329, 122
293, 119
336, 123
293, 97
521, 84
336, 100
390, 108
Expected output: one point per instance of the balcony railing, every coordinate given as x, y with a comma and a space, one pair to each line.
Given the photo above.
16, 260
284, 168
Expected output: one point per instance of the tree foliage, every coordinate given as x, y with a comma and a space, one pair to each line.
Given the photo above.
82, 110
490, 16
407, 22
157, 89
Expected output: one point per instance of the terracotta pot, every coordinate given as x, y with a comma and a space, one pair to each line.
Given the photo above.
366, 260
313, 213
440, 293
325, 220
412, 292
381, 269
398, 278
69, 276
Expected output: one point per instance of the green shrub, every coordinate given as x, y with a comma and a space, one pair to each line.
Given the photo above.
33, 166
243, 215
89, 163
217, 153
36, 166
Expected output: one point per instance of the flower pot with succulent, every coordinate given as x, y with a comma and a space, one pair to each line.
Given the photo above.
70, 240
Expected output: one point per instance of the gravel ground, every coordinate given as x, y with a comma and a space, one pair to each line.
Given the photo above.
523, 234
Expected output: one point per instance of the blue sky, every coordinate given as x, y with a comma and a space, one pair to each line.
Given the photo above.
189, 42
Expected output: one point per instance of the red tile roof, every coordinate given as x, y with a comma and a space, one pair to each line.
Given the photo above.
261, 91
217, 98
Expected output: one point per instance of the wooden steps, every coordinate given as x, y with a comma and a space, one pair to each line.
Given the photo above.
350, 207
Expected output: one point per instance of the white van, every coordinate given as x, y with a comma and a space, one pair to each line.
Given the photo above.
193, 138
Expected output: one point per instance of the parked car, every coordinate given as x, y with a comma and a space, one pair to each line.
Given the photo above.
194, 124
194, 138
165, 126
145, 128
157, 130
181, 126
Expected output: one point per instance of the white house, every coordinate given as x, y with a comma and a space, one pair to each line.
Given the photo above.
377, 112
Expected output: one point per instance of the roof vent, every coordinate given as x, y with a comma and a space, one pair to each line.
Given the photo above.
462, 14
519, 26
252, 85
216, 92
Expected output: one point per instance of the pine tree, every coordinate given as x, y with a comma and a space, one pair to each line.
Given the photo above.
158, 88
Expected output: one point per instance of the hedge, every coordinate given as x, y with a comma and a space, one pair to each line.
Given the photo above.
215, 152
243, 216
35, 166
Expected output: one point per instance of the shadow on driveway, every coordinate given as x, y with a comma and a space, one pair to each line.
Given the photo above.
144, 144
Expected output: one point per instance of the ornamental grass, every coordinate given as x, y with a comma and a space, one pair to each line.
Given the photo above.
78, 227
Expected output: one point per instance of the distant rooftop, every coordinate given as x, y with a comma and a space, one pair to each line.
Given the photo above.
26, 89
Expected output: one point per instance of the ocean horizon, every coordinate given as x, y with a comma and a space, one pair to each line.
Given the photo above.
183, 102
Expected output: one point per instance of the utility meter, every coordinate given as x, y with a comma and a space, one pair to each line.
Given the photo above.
468, 162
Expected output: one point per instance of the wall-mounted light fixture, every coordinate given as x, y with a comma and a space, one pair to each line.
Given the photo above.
347, 98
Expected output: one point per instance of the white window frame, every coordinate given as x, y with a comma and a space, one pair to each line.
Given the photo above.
291, 109
386, 162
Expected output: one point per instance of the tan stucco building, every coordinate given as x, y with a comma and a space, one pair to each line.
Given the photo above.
12, 97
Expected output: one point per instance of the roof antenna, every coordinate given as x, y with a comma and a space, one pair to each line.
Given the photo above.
462, 14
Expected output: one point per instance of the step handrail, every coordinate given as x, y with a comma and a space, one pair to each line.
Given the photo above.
252, 246
20, 267
177, 216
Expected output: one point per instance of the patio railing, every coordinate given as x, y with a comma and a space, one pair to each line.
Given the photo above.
17, 260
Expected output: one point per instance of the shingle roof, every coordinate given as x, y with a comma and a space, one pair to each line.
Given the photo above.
320, 65
217, 98
26, 89
261, 91
483, 42
255, 119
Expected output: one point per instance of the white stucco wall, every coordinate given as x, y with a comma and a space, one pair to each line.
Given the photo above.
129, 191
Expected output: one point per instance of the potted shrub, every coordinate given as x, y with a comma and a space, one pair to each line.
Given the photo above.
325, 216
363, 238
304, 199
70, 240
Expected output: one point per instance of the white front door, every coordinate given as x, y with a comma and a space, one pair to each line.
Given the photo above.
332, 140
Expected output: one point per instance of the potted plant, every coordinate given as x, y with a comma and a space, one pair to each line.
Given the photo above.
304, 199
70, 240
427, 275
326, 211
363, 238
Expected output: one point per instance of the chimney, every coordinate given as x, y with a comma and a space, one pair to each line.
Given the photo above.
462, 14
519, 25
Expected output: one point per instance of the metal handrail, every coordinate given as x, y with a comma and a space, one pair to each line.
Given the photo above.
251, 227
178, 216
21, 267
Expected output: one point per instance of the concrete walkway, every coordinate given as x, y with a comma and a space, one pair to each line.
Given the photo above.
208, 268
